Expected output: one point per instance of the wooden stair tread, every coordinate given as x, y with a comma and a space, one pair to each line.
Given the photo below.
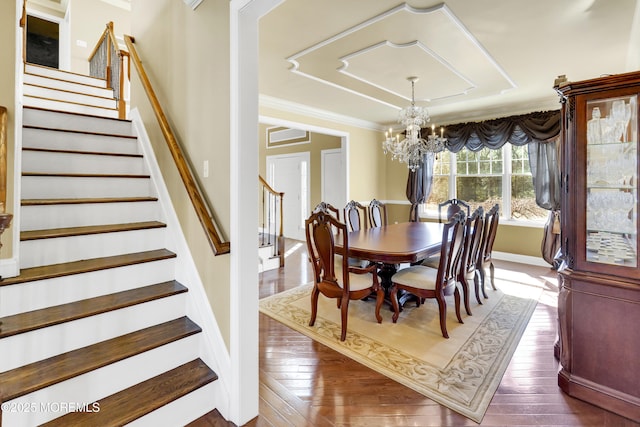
93, 153
85, 266
83, 132
136, 401
42, 318
30, 107
86, 230
44, 373
84, 175
39, 202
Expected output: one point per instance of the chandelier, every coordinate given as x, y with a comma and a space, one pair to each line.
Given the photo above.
413, 147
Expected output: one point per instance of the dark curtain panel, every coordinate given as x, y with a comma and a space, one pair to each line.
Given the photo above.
518, 130
419, 185
544, 160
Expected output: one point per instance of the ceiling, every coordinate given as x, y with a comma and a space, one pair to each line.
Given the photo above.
475, 59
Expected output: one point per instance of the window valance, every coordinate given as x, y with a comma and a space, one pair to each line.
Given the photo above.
518, 130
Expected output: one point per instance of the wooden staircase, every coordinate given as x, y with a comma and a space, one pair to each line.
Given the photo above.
94, 330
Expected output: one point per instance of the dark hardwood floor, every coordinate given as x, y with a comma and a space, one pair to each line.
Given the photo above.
304, 383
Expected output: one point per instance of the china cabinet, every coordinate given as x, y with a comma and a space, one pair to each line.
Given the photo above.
599, 276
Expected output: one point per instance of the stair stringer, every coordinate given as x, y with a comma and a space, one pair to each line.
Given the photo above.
10, 267
213, 349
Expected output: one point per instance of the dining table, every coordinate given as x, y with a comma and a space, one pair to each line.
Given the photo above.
393, 244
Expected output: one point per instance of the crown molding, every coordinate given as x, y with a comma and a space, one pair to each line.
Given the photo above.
295, 108
543, 104
193, 3
122, 4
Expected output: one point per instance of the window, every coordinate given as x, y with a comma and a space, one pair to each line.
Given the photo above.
484, 178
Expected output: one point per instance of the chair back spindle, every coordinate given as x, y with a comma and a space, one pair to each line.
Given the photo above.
488, 237
470, 255
377, 214
452, 207
355, 216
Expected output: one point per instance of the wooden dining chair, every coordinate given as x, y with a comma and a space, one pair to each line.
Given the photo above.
490, 229
355, 216
426, 282
377, 213
452, 206
468, 267
334, 277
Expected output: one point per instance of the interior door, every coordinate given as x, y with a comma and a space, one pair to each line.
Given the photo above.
289, 173
334, 187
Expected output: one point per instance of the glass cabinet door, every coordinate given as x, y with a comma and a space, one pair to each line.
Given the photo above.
612, 181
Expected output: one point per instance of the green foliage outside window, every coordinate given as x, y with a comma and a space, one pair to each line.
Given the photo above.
479, 181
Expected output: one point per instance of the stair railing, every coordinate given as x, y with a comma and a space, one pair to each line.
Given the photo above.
272, 217
107, 61
203, 210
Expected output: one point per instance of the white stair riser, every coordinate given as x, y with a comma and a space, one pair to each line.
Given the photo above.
48, 342
36, 253
61, 120
44, 217
33, 79
266, 260
71, 97
105, 381
30, 101
182, 411
60, 140
60, 187
39, 294
63, 75
55, 162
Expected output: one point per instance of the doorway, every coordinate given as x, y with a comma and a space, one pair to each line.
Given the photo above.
43, 42
333, 178
289, 173
47, 40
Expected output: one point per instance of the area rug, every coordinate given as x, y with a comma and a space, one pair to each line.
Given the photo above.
461, 373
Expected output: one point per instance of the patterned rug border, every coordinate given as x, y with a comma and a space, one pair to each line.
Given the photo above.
468, 382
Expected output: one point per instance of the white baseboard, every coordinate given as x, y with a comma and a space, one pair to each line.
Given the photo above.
522, 259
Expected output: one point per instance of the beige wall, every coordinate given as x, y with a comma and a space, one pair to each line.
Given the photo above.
318, 143
95, 14
7, 99
517, 240
186, 54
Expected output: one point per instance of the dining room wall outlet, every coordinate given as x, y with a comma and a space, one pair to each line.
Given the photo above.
205, 169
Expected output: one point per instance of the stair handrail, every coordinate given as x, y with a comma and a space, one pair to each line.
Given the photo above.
279, 247
102, 65
266, 185
203, 210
